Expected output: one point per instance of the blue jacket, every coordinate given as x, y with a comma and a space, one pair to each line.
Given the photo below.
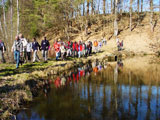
45, 45
35, 45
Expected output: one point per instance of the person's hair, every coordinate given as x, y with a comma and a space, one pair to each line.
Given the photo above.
34, 39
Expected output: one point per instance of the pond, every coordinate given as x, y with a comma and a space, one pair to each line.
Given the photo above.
127, 89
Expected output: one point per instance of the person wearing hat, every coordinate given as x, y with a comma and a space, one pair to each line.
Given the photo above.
2, 50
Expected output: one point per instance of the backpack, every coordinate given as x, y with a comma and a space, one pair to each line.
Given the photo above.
2, 45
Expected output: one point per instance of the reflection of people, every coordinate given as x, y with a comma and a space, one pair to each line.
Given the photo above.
120, 63
46, 87
63, 80
57, 82
100, 67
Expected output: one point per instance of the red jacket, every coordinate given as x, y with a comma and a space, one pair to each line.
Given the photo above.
73, 46
77, 47
80, 47
57, 47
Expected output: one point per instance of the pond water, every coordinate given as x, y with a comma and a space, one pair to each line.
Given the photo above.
126, 89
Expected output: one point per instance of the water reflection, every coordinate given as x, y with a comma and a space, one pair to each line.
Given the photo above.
97, 91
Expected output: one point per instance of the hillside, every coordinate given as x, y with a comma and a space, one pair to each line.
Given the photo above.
138, 41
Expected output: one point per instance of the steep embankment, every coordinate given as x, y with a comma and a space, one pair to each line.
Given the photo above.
138, 41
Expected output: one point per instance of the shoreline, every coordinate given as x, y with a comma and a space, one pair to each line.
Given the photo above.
17, 90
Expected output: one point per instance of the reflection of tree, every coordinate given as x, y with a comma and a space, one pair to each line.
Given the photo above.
148, 102
113, 93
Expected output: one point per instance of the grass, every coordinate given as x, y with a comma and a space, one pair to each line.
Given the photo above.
10, 69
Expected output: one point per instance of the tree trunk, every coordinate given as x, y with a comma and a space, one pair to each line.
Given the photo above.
87, 7
159, 9
115, 20
138, 10
121, 9
111, 7
92, 5
130, 15
151, 16
84, 8
1, 28
98, 6
4, 18
11, 20
104, 7
107, 7
138, 6
18, 17
141, 6
114, 5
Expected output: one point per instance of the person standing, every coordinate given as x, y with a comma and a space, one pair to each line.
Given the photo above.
90, 47
17, 48
29, 50
95, 46
80, 50
63, 51
99, 46
2, 50
24, 42
57, 49
35, 47
45, 47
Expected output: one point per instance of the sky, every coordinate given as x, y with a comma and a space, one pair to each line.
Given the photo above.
125, 6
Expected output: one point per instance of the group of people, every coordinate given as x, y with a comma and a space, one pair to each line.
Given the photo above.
77, 49
72, 49
23, 48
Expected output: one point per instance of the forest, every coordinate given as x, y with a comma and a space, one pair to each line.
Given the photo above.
64, 18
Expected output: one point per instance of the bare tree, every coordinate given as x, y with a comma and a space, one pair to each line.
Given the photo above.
111, 7
114, 3
159, 9
1, 28
138, 6
4, 20
84, 8
11, 20
151, 15
141, 6
88, 7
130, 15
92, 5
98, 6
115, 19
18, 17
104, 7
121, 8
